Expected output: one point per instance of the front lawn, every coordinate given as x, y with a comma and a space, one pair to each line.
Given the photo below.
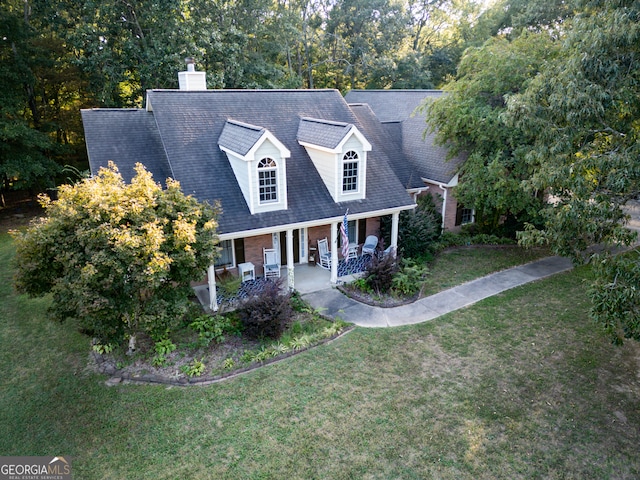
449, 268
517, 386
458, 265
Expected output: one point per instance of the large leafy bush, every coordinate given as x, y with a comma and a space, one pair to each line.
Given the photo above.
118, 257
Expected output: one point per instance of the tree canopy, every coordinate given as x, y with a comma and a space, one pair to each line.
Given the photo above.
118, 257
553, 109
26, 152
584, 112
543, 96
471, 120
57, 57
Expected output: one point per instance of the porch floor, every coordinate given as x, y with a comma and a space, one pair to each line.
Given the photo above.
308, 279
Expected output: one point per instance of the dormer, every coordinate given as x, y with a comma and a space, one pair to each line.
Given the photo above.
339, 152
258, 160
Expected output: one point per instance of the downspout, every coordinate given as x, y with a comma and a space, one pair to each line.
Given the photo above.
444, 203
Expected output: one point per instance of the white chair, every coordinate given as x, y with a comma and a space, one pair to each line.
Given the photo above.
324, 255
271, 264
353, 251
370, 244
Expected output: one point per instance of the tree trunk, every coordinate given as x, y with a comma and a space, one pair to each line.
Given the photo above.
132, 345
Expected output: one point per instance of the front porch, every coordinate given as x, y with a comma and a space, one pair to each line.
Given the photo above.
308, 279
257, 253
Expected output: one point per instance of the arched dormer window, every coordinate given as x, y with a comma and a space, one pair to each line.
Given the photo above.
350, 164
339, 152
268, 180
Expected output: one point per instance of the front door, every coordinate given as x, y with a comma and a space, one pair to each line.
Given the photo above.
296, 247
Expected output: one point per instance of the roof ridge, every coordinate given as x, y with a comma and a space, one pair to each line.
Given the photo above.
326, 122
249, 126
397, 90
247, 90
111, 109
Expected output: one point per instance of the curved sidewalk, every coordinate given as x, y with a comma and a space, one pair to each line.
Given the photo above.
334, 304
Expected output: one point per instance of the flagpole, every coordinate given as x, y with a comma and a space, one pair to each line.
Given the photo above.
344, 232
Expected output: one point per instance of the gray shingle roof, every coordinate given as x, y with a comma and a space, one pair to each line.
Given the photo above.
240, 137
322, 132
392, 105
189, 123
125, 136
389, 140
428, 159
396, 111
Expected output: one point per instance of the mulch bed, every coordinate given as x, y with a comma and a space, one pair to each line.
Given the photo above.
143, 373
383, 301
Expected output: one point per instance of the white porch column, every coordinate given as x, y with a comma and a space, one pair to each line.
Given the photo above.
213, 297
394, 232
290, 268
334, 252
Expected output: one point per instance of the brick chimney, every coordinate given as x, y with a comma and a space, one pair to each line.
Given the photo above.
192, 80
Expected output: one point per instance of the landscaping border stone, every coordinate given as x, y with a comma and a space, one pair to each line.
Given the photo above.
106, 365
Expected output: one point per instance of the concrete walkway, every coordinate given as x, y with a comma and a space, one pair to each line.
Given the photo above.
334, 304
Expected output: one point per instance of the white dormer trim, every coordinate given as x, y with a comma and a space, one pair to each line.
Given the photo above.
267, 136
353, 131
366, 146
329, 163
246, 165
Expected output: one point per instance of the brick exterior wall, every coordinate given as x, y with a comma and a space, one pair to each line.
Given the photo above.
450, 213
253, 245
318, 233
253, 251
373, 227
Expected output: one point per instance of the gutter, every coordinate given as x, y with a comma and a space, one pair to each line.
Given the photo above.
313, 223
414, 192
445, 188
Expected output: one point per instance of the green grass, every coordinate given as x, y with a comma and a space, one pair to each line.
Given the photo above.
518, 386
459, 265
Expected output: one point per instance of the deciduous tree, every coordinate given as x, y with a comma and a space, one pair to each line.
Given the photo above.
470, 120
25, 150
118, 257
583, 111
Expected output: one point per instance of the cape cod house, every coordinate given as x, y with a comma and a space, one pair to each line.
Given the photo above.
285, 166
393, 116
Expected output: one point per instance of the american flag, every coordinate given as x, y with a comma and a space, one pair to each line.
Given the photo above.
344, 232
